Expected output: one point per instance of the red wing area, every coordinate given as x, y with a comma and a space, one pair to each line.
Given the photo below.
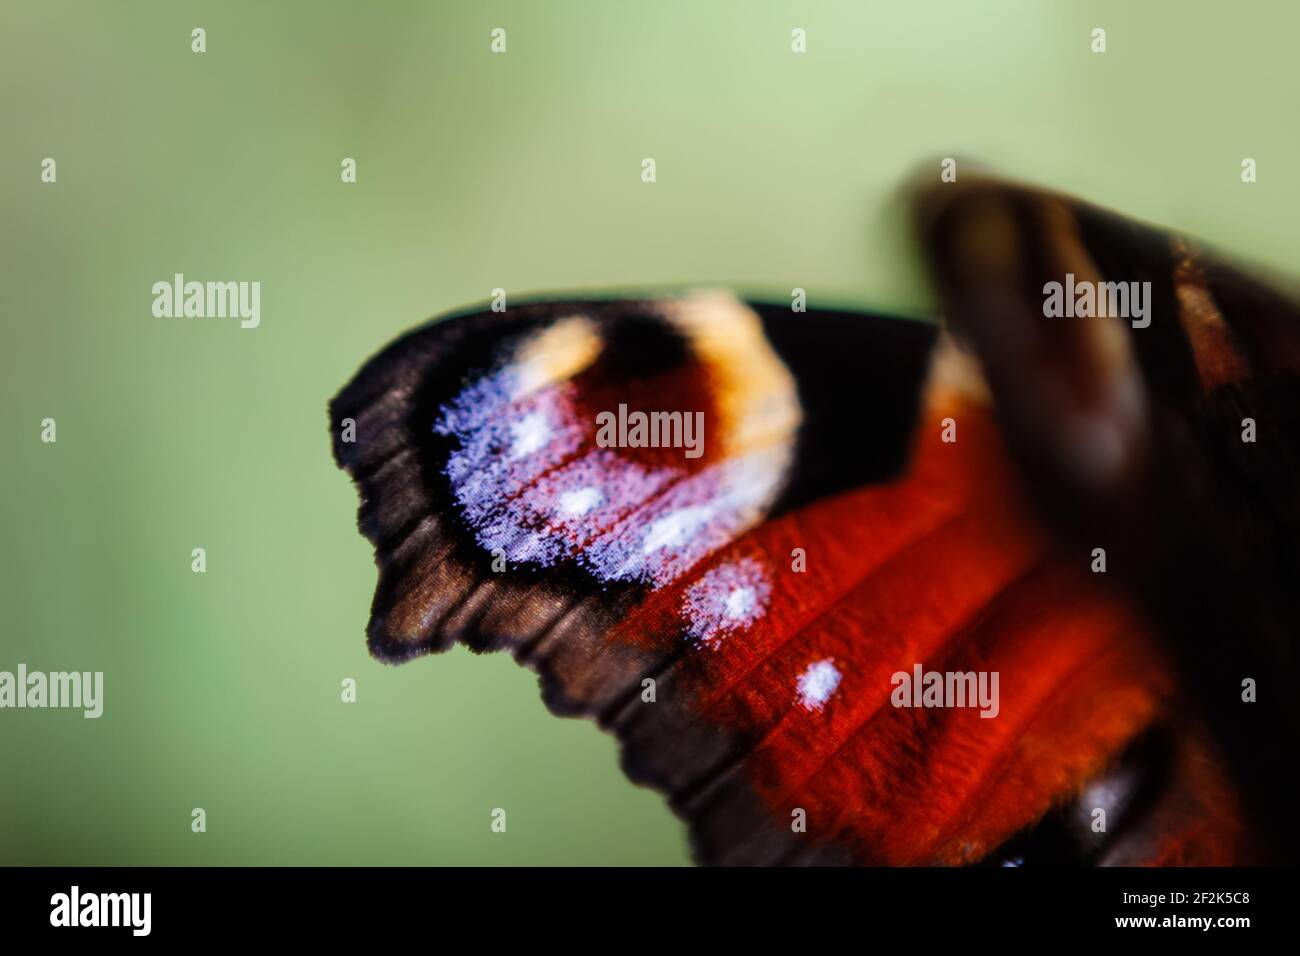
939, 570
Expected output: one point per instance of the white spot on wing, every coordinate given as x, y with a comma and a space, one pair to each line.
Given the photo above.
529, 434
575, 504
674, 528
726, 601
818, 683
739, 601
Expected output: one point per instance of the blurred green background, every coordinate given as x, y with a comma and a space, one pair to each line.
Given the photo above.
475, 171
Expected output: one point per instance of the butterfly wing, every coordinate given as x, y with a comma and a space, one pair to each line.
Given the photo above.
500, 522
738, 618
1193, 411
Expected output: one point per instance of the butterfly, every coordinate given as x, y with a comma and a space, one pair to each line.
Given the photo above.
1086, 522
